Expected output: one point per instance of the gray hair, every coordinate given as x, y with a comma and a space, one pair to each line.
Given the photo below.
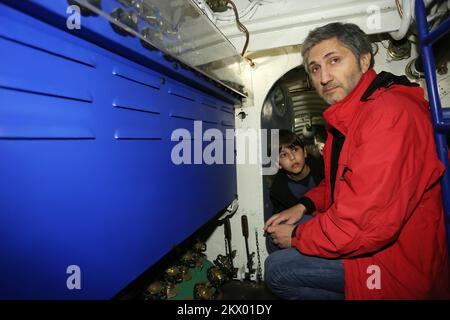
349, 34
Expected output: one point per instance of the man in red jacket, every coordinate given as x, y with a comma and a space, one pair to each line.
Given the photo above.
378, 230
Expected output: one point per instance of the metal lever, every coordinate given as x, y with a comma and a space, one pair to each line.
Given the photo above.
251, 270
230, 253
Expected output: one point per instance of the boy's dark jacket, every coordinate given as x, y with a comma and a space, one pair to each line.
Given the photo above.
280, 194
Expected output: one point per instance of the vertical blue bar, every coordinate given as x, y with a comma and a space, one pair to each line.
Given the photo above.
435, 105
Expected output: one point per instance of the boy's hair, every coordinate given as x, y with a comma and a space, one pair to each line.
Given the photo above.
289, 139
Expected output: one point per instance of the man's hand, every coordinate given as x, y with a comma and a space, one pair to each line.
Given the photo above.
289, 216
281, 234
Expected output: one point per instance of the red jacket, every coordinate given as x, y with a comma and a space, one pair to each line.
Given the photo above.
387, 209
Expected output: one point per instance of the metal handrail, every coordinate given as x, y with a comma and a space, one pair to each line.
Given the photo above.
441, 120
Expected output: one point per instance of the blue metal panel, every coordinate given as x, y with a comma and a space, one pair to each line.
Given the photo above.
86, 176
440, 122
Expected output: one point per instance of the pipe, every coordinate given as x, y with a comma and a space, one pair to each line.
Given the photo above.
407, 13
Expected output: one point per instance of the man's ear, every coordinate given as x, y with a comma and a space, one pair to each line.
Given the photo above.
364, 61
305, 152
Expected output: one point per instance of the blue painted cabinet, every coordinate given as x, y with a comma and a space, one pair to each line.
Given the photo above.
86, 176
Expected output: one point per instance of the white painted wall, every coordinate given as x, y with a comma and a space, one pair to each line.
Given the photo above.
269, 67
281, 23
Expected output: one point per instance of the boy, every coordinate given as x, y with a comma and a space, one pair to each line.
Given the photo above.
298, 173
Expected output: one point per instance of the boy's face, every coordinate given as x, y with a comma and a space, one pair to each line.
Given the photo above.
292, 160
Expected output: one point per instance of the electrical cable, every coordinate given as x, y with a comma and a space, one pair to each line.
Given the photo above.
241, 27
399, 8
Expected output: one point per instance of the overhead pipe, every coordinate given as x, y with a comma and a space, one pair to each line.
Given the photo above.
406, 13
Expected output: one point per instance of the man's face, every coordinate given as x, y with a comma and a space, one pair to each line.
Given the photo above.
334, 69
